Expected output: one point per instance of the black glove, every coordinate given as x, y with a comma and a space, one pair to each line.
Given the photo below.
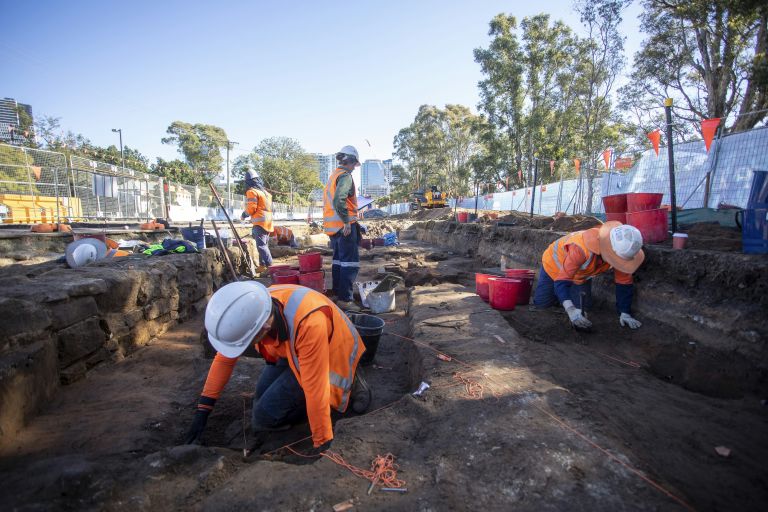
243, 215
320, 449
204, 408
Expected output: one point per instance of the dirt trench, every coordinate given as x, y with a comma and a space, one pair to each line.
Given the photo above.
526, 415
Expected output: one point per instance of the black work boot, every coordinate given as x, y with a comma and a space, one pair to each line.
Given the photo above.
361, 395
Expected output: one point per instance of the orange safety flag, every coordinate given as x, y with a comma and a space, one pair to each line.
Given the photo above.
36, 171
543, 188
607, 158
708, 129
655, 137
552, 166
577, 163
520, 174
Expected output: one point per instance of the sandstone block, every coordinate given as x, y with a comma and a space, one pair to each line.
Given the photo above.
19, 317
73, 373
80, 340
66, 313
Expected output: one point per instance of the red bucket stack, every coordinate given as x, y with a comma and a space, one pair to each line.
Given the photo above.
526, 276
309, 273
503, 292
640, 210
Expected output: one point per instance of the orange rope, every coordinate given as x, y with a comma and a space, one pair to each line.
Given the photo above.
383, 470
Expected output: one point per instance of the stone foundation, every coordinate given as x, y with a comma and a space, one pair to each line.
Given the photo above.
58, 323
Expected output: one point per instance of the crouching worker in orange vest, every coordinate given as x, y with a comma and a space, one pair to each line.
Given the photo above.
311, 349
285, 236
570, 263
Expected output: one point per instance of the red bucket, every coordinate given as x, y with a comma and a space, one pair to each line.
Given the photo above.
653, 224
310, 262
621, 217
314, 280
526, 276
616, 203
462, 217
278, 268
285, 277
639, 202
481, 285
504, 292
378, 242
366, 243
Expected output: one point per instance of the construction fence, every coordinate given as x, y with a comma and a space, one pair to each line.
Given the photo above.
45, 186
719, 178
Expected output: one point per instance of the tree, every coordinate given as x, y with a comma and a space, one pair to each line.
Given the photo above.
710, 56
200, 144
603, 51
177, 171
287, 170
437, 147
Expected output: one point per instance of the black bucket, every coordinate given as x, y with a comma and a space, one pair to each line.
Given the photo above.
370, 328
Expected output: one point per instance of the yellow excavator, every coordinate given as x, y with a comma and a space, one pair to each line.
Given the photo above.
432, 198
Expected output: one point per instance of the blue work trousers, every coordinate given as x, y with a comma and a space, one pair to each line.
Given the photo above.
279, 399
545, 295
346, 262
262, 245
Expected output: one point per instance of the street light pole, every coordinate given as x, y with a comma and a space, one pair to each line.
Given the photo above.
122, 158
229, 189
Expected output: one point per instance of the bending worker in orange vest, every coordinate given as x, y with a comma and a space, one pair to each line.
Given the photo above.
340, 224
570, 263
258, 205
311, 349
285, 236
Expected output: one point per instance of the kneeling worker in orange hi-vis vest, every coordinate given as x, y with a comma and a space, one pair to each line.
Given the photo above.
570, 262
311, 348
285, 236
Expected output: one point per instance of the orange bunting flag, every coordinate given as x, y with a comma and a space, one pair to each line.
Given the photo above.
577, 163
543, 188
607, 158
655, 137
36, 171
552, 166
708, 129
520, 174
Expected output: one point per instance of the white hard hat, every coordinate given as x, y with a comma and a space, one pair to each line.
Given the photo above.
84, 251
349, 150
626, 241
235, 314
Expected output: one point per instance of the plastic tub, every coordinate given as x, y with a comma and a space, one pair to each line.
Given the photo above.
366, 243
504, 292
639, 202
278, 268
462, 217
378, 242
471, 217
196, 235
621, 217
370, 328
616, 203
285, 277
653, 224
481, 285
381, 302
314, 280
310, 262
526, 276
679, 240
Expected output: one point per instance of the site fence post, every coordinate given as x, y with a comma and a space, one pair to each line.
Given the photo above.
163, 207
671, 156
56, 188
533, 185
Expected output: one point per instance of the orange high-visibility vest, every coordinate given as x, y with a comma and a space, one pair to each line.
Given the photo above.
345, 345
259, 206
332, 223
554, 257
283, 234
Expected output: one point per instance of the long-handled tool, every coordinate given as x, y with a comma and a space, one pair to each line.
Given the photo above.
251, 266
225, 253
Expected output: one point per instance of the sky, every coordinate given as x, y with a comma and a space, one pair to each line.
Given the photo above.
326, 73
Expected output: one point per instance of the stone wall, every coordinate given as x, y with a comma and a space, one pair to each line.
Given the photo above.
720, 299
58, 323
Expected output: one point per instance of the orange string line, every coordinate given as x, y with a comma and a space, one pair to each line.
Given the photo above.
383, 470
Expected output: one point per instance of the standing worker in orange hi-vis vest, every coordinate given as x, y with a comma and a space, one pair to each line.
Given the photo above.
340, 224
311, 350
258, 206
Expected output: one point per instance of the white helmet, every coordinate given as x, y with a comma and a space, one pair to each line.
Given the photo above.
626, 241
349, 151
235, 314
84, 254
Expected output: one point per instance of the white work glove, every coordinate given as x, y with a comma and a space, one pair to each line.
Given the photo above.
626, 319
577, 318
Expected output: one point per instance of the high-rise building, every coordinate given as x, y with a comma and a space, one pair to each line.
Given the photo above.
10, 120
326, 164
374, 179
388, 171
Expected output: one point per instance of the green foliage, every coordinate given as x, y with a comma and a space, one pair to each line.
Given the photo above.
201, 145
178, 171
710, 56
288, 171
14, 171
436, 148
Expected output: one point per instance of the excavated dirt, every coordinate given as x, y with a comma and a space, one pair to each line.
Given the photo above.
523, 413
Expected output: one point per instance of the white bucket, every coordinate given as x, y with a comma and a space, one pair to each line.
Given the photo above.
381, 302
